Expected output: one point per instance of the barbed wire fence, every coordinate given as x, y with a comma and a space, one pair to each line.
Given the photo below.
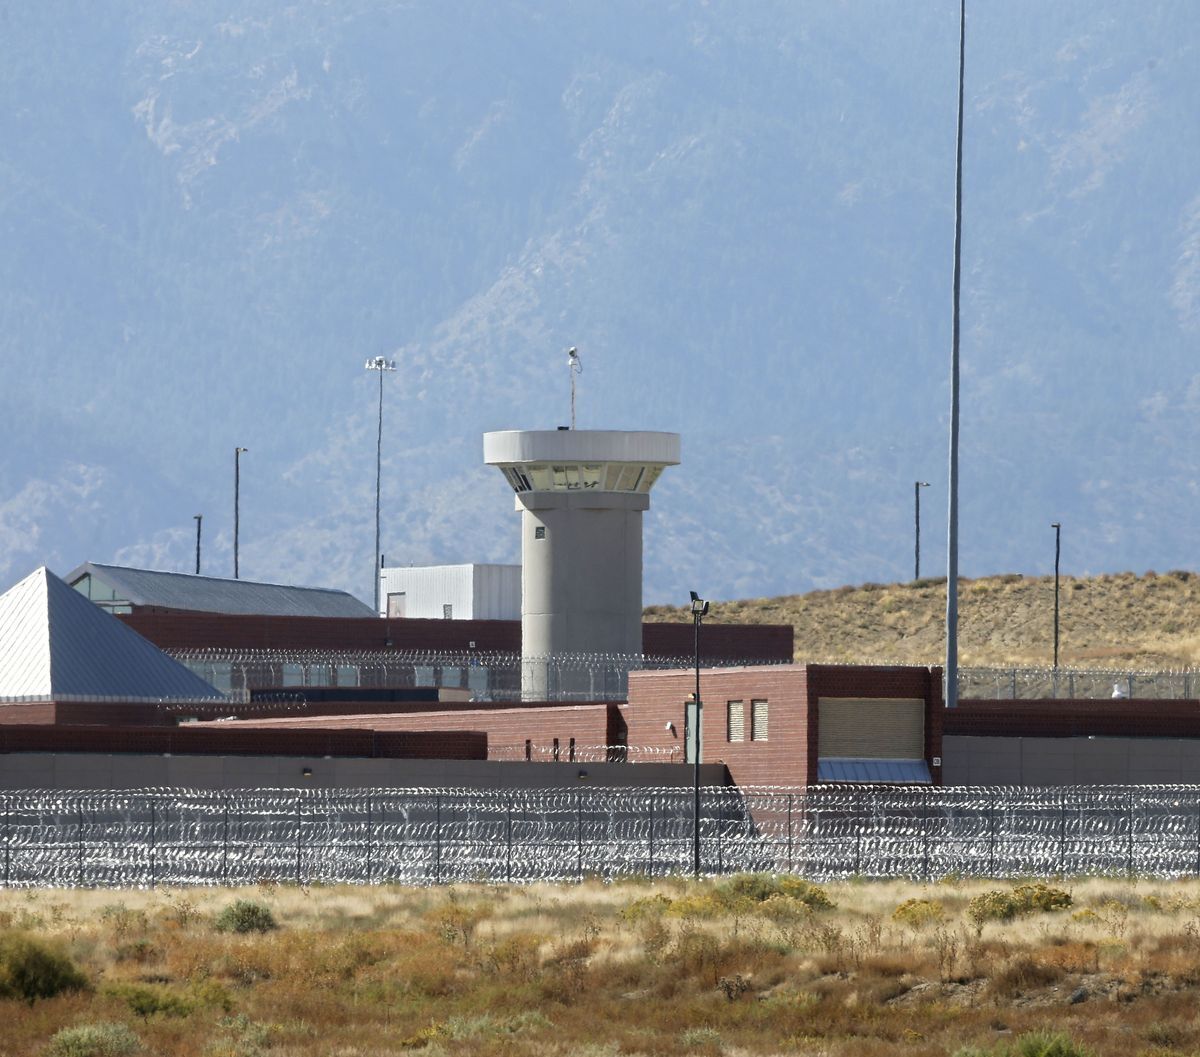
442, 836
496, 675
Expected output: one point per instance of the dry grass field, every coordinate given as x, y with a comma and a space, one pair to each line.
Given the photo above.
1113, 621
741, 966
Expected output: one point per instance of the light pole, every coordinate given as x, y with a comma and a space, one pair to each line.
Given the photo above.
381, 365
699, 612
237, 490
1057, 526
575, 366
917, 486
199, 519
951, 673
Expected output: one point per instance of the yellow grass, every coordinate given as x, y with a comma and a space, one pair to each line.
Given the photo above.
664, 967
1112, 621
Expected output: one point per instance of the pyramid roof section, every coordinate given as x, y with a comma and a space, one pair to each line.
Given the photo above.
55, 645
212, 594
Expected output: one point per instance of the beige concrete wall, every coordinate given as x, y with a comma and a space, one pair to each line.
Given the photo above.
38, 770
1069, 761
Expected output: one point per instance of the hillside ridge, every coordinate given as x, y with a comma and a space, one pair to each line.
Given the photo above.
1115, 620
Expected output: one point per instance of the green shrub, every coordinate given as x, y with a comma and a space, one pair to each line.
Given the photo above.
1039, 896
146, 1000
918, 913
1035, 1044
997, 905
993, 905
758, 888
245, 915
31, 969
93, 1040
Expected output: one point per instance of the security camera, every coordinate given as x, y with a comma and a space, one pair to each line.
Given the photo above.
670, 725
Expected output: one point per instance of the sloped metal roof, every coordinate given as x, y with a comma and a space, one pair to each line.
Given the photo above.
55, 645
844, 769
211, 594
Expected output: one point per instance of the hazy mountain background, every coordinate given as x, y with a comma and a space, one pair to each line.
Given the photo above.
741, 214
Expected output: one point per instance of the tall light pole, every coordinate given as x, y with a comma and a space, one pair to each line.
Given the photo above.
699, 612
575, 366
237, 490
917, 486
381, 365
1057, 526
199, 519
952, 519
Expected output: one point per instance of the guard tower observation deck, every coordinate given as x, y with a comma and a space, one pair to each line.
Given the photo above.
581, 494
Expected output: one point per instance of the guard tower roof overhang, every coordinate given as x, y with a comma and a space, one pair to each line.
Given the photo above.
571, 460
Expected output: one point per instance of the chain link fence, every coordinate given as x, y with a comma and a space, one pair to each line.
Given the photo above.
1085, 683
440, 836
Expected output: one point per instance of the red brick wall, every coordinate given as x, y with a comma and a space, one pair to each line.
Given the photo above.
1060, 718
182, 629
505, 728
656, 698
42, 712
95, 713
789, 757
828, 680
225, 740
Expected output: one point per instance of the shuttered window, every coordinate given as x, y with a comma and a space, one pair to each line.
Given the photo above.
871, 728
736, 720
758, 720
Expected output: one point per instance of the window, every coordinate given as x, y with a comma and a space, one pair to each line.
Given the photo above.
735, 727
539, 532
396, 604
758, 720
447, 611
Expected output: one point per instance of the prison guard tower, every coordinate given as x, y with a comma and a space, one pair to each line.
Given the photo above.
581, 494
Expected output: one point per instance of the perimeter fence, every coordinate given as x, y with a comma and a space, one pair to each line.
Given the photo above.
439, 836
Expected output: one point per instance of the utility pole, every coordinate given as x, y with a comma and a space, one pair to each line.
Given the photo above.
917, 486
952, 521
199, 519
1057, 526
381, 365
237, 490
575, 366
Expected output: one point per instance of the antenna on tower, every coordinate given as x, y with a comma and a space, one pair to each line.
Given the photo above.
576, 367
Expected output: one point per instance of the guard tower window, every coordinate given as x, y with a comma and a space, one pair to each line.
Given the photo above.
539, 532
447, 611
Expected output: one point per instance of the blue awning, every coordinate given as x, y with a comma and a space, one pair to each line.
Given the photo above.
843, 769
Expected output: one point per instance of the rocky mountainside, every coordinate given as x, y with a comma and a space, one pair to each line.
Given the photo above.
742, 217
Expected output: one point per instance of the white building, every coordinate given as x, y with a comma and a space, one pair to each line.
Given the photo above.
451, 592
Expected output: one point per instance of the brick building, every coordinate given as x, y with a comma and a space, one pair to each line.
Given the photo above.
799, 724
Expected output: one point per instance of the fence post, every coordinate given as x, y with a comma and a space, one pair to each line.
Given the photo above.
651, 870
225, 848
297, 840
508, 842
1062, 835
370, 839
579, 836
1129, 830
791, 797
437, 848
153, 843
79, 841
7, 837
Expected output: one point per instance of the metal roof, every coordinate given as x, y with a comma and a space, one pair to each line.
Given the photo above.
55, 645
844, 769
211, 594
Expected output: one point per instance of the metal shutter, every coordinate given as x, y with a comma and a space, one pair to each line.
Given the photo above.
758, 720
871, 728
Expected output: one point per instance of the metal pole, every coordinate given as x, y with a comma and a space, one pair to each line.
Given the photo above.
378, 487
199, 519
952, 528
696, 760
237, 489
1057, 526
381, 365
917, 486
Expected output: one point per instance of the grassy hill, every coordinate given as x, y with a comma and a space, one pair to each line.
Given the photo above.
1117, 620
